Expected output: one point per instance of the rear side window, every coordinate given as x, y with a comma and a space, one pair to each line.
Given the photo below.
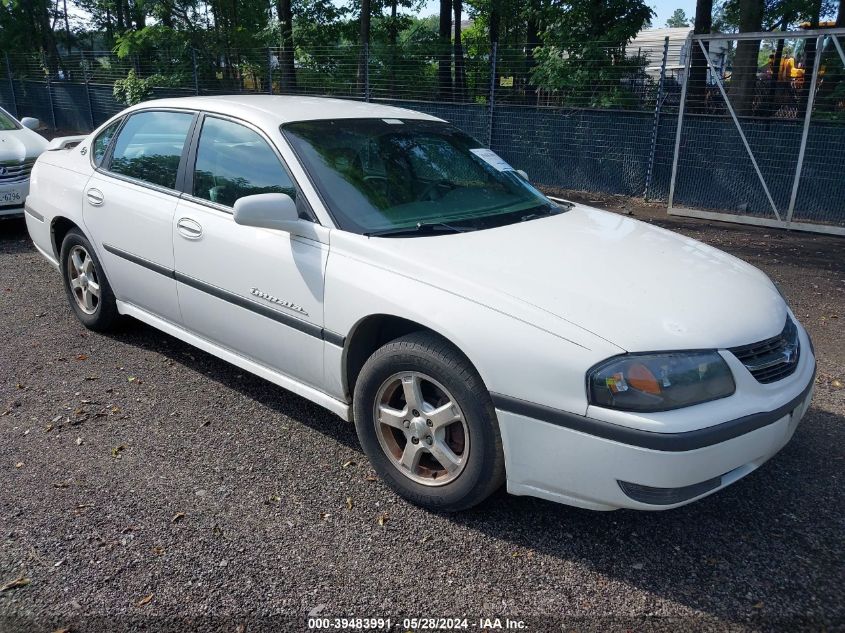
150, 146
101, 143
233, 161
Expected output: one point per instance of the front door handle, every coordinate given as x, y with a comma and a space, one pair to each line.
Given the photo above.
188, 228
95, 197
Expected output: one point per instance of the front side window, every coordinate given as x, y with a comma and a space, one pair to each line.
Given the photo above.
149, 147
101, 143
7, 122
395, 177
234, 161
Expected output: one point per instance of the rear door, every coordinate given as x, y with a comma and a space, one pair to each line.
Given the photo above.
129, 206
258, 292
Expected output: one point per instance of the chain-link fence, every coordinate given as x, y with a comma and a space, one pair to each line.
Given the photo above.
588, 117
763, 140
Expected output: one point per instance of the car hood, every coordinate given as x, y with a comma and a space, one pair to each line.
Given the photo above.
636, 285
18, 145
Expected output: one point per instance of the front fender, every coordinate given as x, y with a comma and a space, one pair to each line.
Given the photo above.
514, 356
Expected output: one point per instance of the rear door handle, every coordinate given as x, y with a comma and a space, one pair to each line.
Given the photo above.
189, 229
95, 197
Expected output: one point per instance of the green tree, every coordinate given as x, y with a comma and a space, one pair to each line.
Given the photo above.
678, 19
284, 11
744, 77
27, 26
583, 57
697, 86
460, 67
364, 21
611, 22
444, 67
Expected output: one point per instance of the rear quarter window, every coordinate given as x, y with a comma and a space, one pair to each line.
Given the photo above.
150, 145
101, 143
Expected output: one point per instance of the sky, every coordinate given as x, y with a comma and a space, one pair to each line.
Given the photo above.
665, 8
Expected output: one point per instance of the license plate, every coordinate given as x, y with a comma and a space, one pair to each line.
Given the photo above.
11, 196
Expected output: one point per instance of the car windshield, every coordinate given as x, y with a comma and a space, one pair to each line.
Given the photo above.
7, 122
411, 177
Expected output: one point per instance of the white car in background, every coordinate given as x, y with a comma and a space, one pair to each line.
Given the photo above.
19, 147
388, 267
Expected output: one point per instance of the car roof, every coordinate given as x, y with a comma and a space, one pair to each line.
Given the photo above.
274, 110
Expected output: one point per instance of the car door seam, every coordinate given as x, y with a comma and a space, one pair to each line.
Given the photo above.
305, 327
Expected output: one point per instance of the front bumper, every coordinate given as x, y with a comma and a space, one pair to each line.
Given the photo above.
18, 189
11, 212
597, 465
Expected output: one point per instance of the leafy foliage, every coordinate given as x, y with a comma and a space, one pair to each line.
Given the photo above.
132, 89
571, 52
678, 19
592, 76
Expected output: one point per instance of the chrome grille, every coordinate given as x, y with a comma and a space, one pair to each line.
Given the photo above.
15, 172
773, 359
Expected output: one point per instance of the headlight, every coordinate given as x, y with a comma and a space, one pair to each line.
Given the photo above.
659, 382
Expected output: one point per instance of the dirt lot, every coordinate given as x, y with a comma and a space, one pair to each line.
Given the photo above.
147, 485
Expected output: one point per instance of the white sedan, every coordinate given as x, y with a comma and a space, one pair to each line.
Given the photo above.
19, 147
386, 266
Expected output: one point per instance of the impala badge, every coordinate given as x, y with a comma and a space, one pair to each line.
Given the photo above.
281, 302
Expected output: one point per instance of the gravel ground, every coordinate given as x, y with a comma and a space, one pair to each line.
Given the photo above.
147, 485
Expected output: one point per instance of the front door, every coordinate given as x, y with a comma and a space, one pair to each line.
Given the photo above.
257, 292
129, 205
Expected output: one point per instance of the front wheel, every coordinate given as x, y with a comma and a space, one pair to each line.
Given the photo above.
427, 423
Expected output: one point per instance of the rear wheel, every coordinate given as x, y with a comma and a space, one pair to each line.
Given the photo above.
87, 288
426, 421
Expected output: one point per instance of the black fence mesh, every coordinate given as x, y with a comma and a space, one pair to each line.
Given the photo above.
755, 100
583, 117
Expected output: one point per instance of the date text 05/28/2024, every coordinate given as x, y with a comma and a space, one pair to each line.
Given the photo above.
417, 624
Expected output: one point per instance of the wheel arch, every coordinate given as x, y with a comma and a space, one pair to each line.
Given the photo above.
59, 228
373, 331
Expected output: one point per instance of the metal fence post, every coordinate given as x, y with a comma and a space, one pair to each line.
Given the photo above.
196, 74
88, 90
12, 86
805, 133
656, 127
491, 101
681, 108
49, 90
269, 70
838, 47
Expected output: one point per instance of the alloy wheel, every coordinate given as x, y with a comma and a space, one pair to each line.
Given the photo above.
421, 428
82, 277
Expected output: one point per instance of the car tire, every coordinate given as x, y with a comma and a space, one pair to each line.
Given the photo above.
86, 286
434, 463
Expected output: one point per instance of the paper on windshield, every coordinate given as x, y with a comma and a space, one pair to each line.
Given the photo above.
492, 158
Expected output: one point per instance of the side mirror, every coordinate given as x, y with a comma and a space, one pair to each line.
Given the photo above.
29, 122
268, 211
523, 174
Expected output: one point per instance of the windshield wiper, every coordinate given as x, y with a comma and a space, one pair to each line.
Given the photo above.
421, 228
552, 209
